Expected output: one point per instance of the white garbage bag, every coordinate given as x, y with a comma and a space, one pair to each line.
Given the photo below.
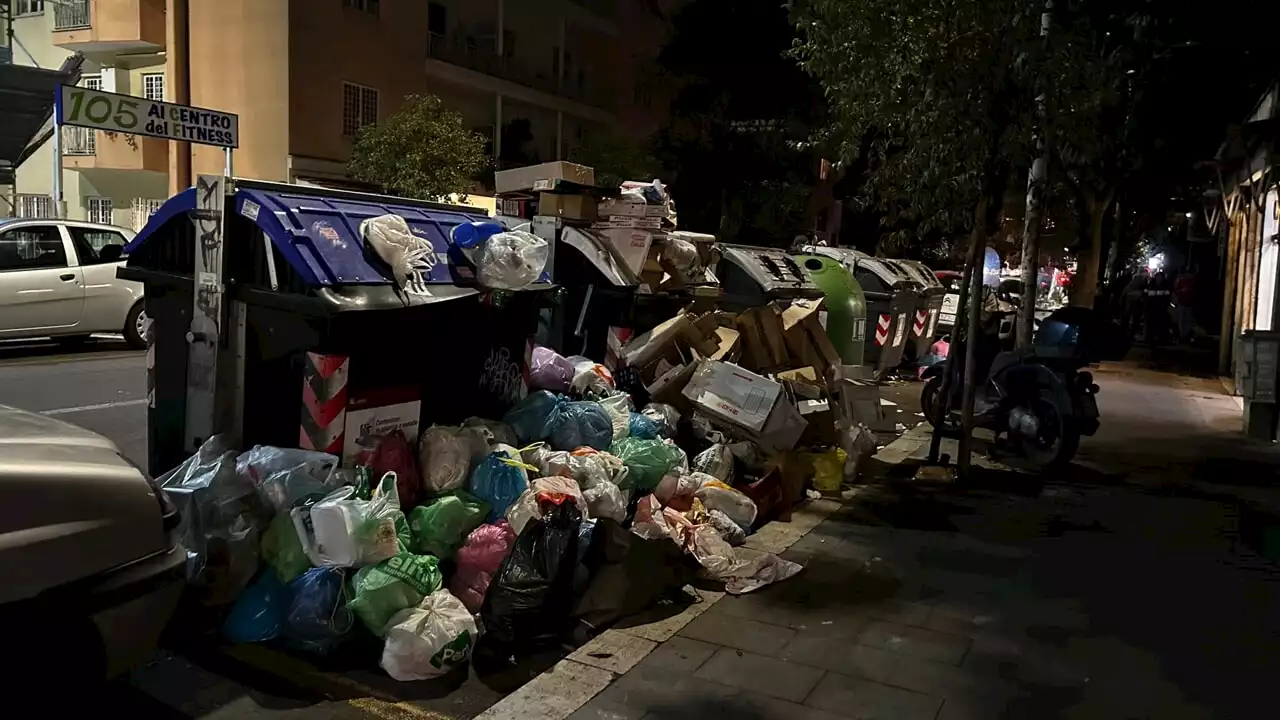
445, 456
411, 257
606, 500
429, 640
527, 508
619, 409
345, 531
738, 507
511, 260
739, 576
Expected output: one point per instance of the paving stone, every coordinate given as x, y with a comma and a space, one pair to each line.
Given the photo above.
943, 680
973, 707
602, 709
663, 629
614, 651
757, 673
762, 707
680, 655
902, 613
869, 700
554, 694
919, 642
739, 633
840, 655
649, 689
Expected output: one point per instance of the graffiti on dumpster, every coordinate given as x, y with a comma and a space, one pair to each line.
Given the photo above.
502, 377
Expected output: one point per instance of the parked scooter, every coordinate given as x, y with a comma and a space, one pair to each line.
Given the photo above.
1039, 397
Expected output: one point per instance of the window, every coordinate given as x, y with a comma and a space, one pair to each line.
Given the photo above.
28, 7
142, 209
359, 108
369, 6
93, 82
98, 210
89, 245
35, 206
32, 248
153, 86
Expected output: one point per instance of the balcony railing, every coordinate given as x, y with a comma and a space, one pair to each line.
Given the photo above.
71, 15
485, 60
79, 141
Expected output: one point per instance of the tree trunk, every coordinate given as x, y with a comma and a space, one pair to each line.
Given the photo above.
1084, 287
1031, 253
977, 246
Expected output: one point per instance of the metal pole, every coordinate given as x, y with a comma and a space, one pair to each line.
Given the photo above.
226, 167
1035, 198
58, 210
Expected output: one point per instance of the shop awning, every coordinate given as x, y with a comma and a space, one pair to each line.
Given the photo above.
317, 231
26, 106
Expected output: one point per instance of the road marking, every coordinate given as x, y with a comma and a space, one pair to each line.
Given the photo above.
100, 406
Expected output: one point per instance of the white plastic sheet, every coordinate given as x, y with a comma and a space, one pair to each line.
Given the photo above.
429, 640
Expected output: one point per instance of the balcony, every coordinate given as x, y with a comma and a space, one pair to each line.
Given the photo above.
86, 149
475, 65
109, 25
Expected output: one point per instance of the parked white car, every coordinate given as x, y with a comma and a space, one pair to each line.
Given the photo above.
91, 563
58, 279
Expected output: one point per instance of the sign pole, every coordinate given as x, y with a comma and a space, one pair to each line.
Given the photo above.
226, 169
58, 211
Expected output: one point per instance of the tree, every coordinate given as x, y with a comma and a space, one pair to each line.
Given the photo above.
422, 151
941, 84
615, 158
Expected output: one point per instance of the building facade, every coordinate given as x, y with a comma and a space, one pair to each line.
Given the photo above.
107, 177
536, 77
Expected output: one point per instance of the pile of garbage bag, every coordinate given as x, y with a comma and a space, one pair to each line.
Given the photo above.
510, 534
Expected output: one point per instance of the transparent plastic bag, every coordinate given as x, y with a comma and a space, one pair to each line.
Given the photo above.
549, 370
647, 461
444, 457
590, 378
441, 526
729, 530
582, 424
549, 462
429, 640
737, 506
345, 531
640, 426
500, 480
284, 475
532, 502
665, 416
716, 461
619, 408
606, 500
478, 560
282, 551
511, 260
593, 468
222, 518
489, 432
411, 257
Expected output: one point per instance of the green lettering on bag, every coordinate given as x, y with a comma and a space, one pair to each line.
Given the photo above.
412, 569
454, 653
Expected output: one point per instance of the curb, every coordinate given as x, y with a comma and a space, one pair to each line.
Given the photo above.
584, 673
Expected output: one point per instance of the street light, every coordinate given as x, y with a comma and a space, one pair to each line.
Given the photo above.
1190, 215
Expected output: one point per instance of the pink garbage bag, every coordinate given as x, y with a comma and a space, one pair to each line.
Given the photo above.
548, 370
478, 560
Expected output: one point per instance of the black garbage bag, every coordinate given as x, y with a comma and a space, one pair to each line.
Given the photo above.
529, 601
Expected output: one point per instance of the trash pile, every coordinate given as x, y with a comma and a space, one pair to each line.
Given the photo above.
583, 504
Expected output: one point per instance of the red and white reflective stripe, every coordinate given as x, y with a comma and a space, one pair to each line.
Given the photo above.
882, 329
324, 403
922, 316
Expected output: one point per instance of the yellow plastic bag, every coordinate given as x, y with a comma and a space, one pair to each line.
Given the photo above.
828, 470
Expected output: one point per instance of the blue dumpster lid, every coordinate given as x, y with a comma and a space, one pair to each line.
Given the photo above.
318, 231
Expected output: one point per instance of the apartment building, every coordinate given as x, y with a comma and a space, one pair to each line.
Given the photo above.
537, 77
534, 76
107, 177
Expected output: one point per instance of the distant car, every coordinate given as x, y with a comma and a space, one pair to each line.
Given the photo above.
91, 562
58, 279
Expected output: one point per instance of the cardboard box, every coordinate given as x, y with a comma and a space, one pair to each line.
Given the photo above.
649, 346
729, 345
820, 417
631, 246
733, 394
627, 223
571, 207
613, 207
783, 428
764, 344
526, 178
804, 383
669, 387
805, 338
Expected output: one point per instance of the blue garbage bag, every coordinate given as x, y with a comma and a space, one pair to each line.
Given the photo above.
258, 612
534, 418
500, 479
642, 427
582, 424
317, 618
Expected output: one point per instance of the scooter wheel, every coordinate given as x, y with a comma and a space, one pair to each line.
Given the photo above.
1061, 447
932, 406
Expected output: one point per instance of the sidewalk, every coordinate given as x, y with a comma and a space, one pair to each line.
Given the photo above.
1119, 591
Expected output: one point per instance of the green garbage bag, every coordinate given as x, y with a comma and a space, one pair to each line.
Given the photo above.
392, 585
282, 551
441, 526
647, 462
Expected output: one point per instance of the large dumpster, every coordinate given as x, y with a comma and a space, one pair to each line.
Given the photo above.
752, 276
891, 304
924, 326
312, 320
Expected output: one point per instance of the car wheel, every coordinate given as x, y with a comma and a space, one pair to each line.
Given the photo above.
135, 326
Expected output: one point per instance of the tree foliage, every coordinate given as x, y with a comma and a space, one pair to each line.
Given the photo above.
939, 86
422, 151
616, 158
